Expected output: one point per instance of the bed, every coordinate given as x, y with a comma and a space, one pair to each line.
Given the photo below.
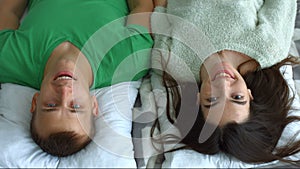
112, 146
122, 140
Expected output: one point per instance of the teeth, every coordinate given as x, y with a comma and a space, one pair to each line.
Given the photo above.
64, 78
223, 75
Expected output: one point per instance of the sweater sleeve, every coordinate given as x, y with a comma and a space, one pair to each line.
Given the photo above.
159, 21
275, 25
160, 26
278, 14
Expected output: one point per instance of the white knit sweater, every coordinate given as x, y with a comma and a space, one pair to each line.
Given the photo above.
194, 29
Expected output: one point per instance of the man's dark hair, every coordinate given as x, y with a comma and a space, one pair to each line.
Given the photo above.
60, 144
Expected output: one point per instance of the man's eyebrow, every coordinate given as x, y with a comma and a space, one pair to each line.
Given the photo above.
49, 110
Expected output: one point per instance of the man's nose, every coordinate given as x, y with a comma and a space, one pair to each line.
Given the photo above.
64, 91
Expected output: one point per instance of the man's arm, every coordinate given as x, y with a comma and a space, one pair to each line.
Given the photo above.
140, 11
11, 12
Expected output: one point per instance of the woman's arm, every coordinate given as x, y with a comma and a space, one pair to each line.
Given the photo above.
162, 3
11, 12
140, 12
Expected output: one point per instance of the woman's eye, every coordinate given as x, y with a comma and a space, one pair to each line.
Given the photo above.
51, 105
238, 97
212, 99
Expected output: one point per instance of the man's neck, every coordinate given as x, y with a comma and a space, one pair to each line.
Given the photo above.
67, 57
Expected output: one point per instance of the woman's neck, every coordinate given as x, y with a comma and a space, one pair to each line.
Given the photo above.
241, 62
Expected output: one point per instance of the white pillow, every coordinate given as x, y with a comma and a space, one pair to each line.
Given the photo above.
111, 147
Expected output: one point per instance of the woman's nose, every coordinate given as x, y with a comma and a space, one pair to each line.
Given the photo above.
222, 83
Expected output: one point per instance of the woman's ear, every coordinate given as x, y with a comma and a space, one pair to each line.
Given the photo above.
95, 106
250, 94
34, 102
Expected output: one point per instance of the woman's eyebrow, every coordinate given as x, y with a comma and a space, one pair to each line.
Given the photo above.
233, 101
239, 102
210, 105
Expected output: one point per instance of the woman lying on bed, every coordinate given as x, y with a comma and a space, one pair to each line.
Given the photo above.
46, 51
233, 50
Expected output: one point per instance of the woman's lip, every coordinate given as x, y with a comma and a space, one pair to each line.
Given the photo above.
223, 68
220, 74
64, 73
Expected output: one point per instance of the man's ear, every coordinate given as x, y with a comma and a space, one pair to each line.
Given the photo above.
95, 106
250, 94
34, 102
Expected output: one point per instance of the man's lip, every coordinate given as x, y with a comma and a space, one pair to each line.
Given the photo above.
64, 73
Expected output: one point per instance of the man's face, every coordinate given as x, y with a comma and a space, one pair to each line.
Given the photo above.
63, 104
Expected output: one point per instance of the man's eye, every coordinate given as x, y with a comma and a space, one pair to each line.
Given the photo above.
212, 99
51, 105
75, 106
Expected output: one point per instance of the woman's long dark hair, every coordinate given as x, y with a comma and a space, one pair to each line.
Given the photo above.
255, 140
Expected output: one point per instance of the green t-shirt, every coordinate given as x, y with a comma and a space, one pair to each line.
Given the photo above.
116, 52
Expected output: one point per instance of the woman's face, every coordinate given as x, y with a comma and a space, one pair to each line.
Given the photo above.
223, 96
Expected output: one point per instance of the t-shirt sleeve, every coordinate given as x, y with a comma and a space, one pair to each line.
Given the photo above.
15, 59
139, 51
128, 59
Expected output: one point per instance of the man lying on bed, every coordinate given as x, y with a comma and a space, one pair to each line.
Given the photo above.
45, 52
